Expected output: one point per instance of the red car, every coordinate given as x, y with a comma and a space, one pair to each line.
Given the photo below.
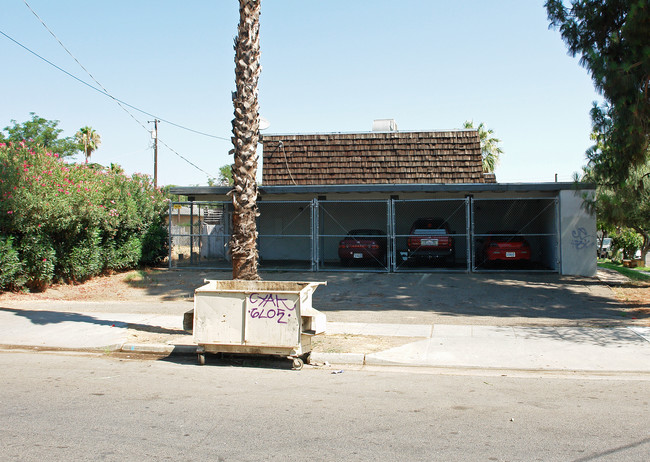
430, 239
363, 245
505, 246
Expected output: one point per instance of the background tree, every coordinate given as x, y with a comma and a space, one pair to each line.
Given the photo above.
612, 39
245, 128
41, 132
625, 207
490, 149
628, 241
89, 140
225, 175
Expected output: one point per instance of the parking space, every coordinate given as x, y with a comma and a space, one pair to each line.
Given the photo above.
353, 235
285, 230
417, 235
515, 234
431, 235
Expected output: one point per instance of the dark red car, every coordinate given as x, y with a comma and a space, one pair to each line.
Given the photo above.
364, 246
505, 246
430, 239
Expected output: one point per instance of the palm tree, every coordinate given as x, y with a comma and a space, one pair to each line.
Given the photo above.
490, 149
89, 140
245, 128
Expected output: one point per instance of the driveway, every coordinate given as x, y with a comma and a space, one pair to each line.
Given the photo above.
534, 299
474, 299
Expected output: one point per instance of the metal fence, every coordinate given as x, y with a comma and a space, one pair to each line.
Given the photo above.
515, 234
285, 235
444, 247
353, 235
199, 233
466, 234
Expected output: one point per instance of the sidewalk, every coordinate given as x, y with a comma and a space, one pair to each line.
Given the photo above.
611, 349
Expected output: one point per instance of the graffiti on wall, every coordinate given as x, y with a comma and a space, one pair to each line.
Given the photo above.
581, 239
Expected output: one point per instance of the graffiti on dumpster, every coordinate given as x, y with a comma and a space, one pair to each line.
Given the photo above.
270, 306
581, 239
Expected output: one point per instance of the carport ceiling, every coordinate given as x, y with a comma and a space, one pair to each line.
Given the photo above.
388, 188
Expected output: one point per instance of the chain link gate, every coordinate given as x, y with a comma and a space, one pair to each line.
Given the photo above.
199, 233
353, 235
419, 235
285, 235
515, 234
430, 235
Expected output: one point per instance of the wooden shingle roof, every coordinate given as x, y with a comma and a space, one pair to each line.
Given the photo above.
373, 158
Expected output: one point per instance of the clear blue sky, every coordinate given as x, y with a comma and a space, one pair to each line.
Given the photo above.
328, 66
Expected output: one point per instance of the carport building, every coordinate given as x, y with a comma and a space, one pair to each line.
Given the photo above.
318, 188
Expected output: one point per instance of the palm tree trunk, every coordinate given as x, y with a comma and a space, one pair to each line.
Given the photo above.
245, 127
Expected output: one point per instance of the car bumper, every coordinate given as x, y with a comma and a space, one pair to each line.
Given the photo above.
422, 254
360, 255
504, 256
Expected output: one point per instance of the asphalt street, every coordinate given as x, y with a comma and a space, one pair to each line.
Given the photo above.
60, 407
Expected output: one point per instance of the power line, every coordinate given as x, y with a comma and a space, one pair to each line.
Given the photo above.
106, 94
103, 90
186, 160
55, 66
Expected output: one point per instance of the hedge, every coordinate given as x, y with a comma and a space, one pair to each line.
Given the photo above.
69, 222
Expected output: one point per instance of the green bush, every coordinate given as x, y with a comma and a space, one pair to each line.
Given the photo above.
82, 260
70, 221
627, 240
155, 244
11, 268
39, 260
123, 253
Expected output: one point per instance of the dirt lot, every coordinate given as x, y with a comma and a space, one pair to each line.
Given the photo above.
502, 299
376, 298
155, 286
636, 297
137, 285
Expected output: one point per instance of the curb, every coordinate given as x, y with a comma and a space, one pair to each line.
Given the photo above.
164, 348
334, 359
36, 348
357, 359
161, 348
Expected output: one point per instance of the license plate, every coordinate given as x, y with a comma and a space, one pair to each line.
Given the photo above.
429, 242
358, 255
511, 254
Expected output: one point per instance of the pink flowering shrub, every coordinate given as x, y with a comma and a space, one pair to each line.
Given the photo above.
71, 221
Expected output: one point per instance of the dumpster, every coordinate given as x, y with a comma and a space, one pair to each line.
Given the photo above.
257, 317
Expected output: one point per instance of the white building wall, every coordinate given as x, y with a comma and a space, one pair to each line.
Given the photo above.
577, 235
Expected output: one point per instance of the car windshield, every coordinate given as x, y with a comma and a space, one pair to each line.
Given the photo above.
429, 232
365, 232
507, 239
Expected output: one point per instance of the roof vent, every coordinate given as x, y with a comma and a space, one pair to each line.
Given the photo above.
384, 125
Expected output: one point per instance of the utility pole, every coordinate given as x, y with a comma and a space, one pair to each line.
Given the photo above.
154, 135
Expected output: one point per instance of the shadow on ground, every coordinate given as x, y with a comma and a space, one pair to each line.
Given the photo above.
44, 317
171, 285
531, 296
522, 295
614, 337
268, 362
